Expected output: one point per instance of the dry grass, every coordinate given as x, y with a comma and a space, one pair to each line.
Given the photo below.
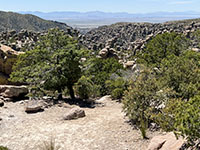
49, 145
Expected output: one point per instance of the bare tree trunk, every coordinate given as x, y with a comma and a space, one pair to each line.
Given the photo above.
60, 94
71, 91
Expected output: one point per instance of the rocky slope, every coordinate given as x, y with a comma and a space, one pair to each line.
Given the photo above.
21, 32
133, 36
25, 39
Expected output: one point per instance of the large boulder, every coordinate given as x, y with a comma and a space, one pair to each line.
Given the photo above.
166, 142
10, 91
74, 113
8, 57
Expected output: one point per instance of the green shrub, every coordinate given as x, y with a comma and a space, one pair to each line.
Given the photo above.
3, 148
182, 74
117, 93
100, 71
116, 87
162, 46
85, 88
140, 97
181, 117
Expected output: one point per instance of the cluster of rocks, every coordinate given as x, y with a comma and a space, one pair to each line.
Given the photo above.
134, 36
19, 40
25, 39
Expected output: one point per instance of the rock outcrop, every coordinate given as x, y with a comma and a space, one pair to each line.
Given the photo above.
10, 91
8, 57
166, 142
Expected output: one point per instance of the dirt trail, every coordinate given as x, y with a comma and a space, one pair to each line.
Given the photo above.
103, 128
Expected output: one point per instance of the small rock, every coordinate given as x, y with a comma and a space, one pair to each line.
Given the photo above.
8, 99
129, 64
21, 102
11, 116
74, 113
196, 49
34, 106
33, 109
105, 98
103, 53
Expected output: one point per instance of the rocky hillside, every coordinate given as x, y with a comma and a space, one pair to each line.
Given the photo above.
21, 32
133, 36
25, 39
10, 21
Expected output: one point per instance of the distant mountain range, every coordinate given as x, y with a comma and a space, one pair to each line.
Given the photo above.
16, 21
96, 18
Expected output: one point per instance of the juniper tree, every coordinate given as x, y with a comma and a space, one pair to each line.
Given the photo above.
52, 65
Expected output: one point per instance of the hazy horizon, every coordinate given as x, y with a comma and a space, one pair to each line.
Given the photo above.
111, 6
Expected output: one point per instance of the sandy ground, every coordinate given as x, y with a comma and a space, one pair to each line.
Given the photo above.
103, 128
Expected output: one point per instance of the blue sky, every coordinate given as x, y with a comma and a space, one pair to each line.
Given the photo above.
130, 6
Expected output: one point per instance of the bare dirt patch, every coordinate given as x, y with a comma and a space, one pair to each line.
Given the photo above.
103, 128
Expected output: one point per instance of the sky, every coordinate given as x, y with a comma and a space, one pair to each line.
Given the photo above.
130, 6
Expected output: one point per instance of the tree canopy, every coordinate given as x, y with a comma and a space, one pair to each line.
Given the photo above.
52, 65
163, 45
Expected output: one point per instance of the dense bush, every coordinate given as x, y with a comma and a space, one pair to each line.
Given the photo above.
100, 70
168, 93
181, 117
182, 74
116, 87
162, 46
85, 88
140, 97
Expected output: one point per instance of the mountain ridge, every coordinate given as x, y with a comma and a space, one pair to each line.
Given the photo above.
103, 15
16, 21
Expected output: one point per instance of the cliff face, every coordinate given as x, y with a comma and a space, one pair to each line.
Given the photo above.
134, 36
